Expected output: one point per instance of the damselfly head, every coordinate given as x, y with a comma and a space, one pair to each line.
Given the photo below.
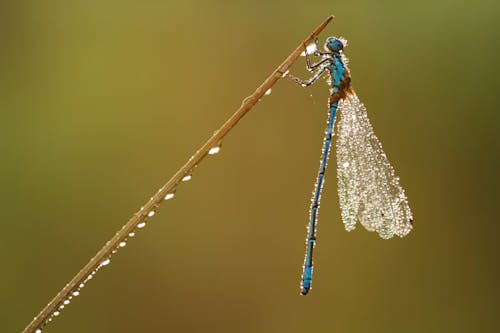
334, 44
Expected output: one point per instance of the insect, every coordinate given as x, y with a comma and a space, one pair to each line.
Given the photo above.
369, 191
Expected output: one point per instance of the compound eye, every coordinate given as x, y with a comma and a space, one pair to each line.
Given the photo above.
338, 45
334, 44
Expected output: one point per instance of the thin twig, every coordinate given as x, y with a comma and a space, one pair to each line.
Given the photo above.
106, 251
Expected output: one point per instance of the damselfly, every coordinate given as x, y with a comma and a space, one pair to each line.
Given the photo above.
369, 191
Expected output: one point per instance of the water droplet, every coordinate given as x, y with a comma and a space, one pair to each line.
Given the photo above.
268, 92
122, 244
132, 234
186, 178
81, 285
170, 195
38, 331
66, 302
141, 225
286, 73
214, 151
61, 307
76, 293
310, 49
105, 262
56, 313
151, 213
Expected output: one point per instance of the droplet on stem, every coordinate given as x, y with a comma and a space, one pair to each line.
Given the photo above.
214, 150
310, 49
186, 178
169, 196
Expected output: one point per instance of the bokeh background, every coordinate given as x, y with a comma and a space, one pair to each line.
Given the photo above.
102, 101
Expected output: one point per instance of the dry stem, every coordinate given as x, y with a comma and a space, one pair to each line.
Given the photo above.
105, 252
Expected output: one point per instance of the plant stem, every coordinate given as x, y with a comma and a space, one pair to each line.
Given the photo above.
106, 251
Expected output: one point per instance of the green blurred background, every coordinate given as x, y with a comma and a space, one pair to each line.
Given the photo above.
102, 101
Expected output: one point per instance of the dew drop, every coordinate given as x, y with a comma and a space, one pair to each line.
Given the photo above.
81, 285
66, 302
61, 307
132, 234
151, 213
76, 293
310, 49
38, 331
122, 244
56, 313
268, 92
141, 225
105, 262
214, 151
171, 195
286, 73
186, 178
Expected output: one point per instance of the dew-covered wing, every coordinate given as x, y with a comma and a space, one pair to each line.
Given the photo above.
369, 190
